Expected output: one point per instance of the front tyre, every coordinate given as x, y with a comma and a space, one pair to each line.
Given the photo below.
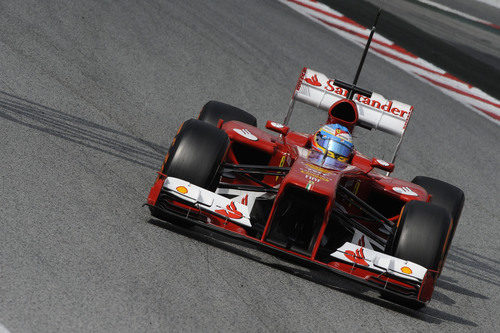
197, 153
444, 195
422, 236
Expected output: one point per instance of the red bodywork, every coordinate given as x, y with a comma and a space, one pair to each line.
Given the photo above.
359, 177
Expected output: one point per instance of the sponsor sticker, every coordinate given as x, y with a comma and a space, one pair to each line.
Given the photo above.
361, 241
373, 102
244, 200
406, 270
282, 162
231, 211
181, 189
314, 176
313, 80
357, 258
246, 134
405, 190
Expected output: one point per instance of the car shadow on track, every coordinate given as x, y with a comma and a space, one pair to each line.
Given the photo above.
452, 285
80, 131
476, 266
338, 283
461, 261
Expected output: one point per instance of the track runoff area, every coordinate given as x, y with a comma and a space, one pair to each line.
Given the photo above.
472, 97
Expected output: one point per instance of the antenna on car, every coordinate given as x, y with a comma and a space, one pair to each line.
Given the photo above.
362, 61
352, 88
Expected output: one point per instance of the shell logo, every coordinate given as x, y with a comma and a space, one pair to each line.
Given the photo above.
406, 270
182, 189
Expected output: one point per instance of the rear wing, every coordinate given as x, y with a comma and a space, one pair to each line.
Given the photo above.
374, 110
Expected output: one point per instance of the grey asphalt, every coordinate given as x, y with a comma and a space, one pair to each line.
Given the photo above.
476, 39
91, 94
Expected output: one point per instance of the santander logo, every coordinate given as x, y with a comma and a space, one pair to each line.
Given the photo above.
358, 257
361, 241
231, 211
373, 102
313, 80
246, 134
405, 190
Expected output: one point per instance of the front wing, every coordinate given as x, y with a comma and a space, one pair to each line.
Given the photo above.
183, 202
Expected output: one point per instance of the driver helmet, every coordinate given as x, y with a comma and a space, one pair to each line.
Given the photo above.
333, 141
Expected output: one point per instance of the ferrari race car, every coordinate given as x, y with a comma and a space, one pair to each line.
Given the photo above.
225, 174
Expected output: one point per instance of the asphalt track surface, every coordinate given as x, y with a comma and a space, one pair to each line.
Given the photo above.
91, 94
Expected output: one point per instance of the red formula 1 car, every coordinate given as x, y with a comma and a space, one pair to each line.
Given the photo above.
225, 174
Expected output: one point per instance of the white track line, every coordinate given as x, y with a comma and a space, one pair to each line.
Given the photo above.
472, 97
459, 13
3, 329
494, 3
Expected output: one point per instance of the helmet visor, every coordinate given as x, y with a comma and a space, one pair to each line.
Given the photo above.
325, 161
334, 145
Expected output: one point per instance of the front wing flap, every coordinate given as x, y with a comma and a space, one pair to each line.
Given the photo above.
380, 262
208, 201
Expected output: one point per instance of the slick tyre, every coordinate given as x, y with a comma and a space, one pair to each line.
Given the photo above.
444, 195
421, 237
213, 111
197, 153
422, 234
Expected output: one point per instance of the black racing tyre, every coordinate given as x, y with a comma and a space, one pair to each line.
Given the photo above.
445, 195
421, 237
422, 234
213, 111
197, 153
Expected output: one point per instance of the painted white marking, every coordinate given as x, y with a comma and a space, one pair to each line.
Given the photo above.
405, 190
3, 329
277, 125
494, 3
472, 97
246, 134
454, 11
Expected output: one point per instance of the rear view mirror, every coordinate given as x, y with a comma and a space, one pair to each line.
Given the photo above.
277, 127
381, 164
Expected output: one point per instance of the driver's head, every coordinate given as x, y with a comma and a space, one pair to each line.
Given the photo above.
333, 141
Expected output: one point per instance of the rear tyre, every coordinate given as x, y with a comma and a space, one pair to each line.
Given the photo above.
197, 153
213, 111
444, 195
421, 237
